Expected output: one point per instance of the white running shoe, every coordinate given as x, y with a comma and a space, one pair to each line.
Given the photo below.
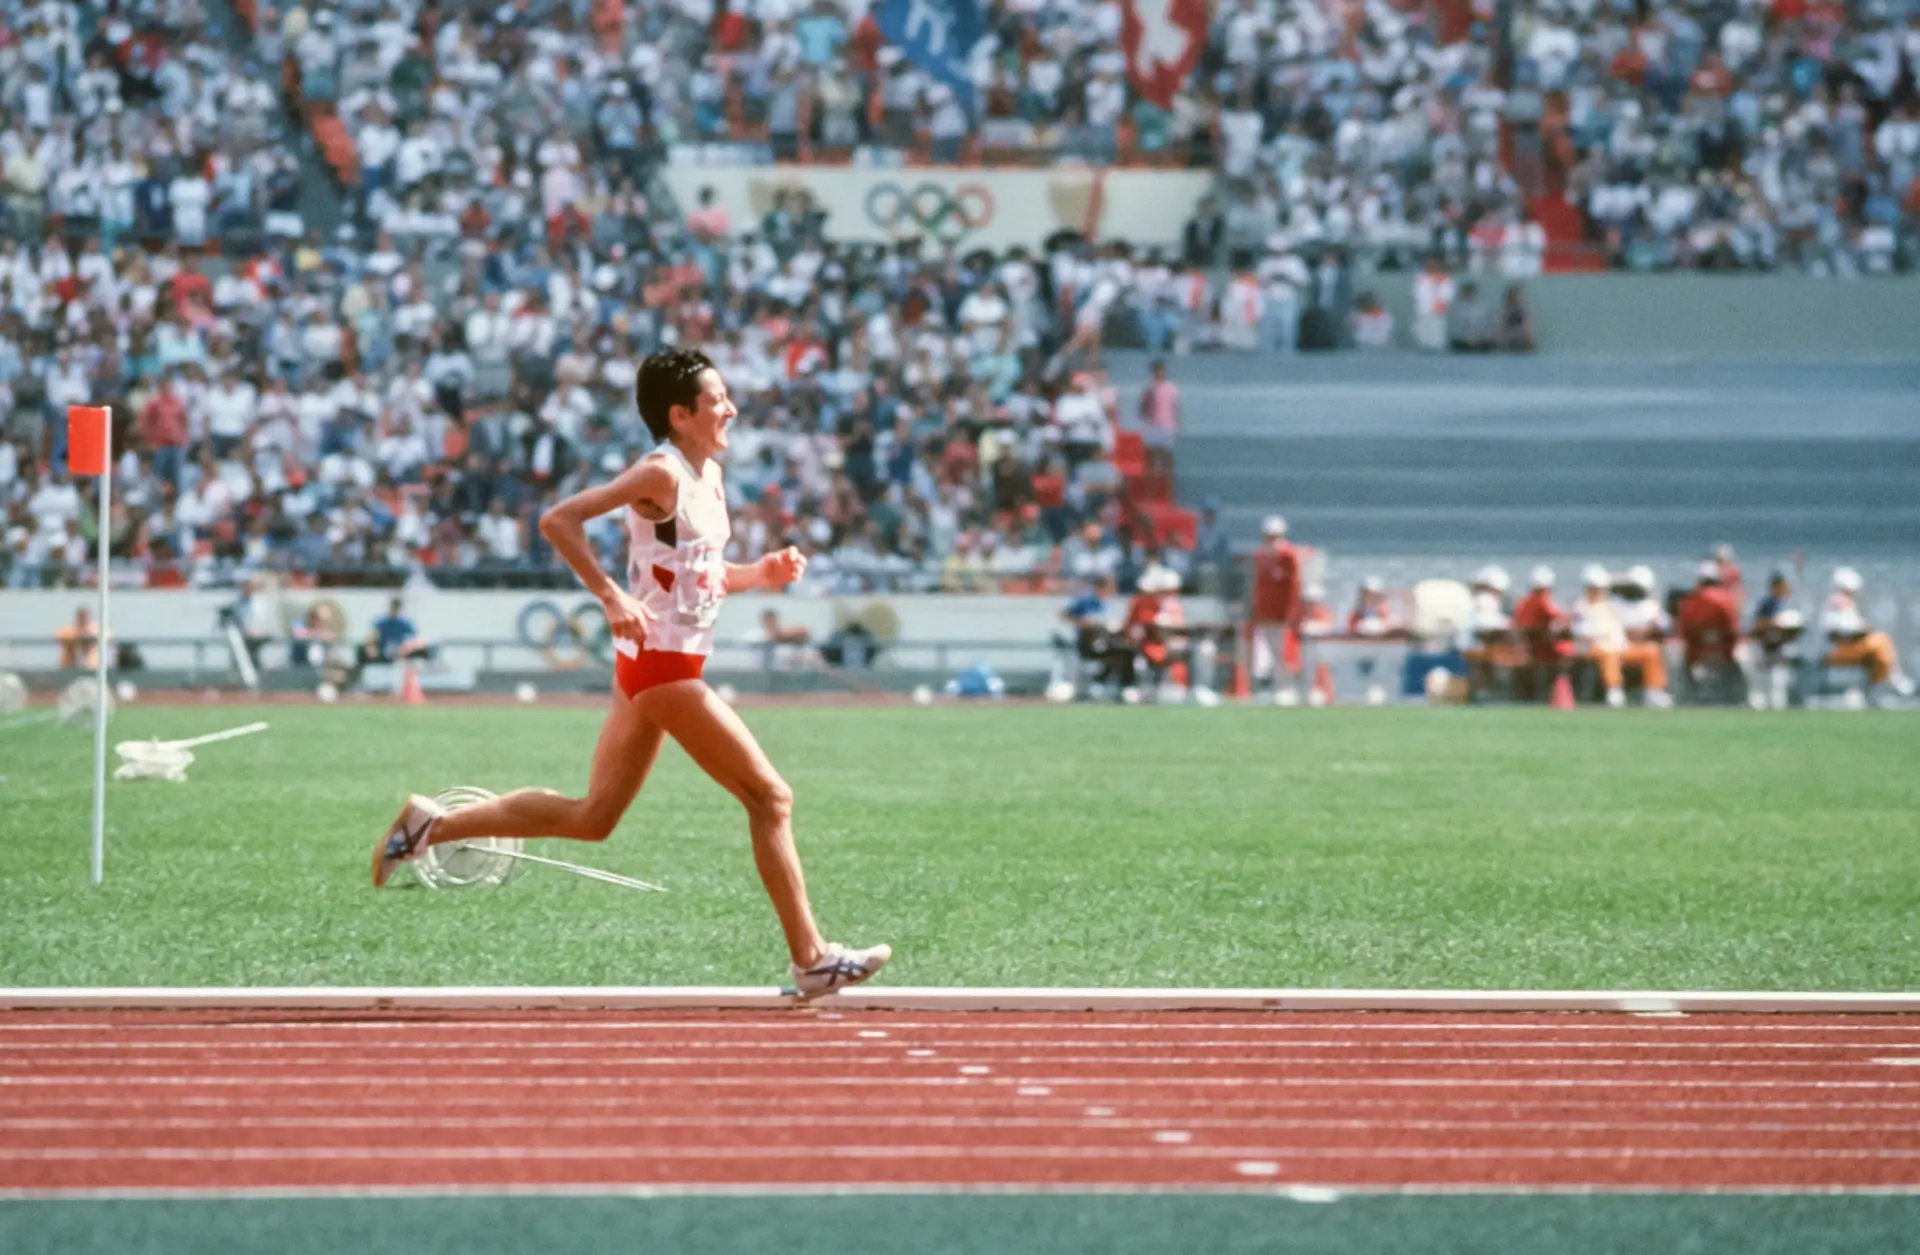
1616, 699
1659, 699
838, 968
406, 838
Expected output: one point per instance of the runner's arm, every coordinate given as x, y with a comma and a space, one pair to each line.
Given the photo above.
648, 487
776, 570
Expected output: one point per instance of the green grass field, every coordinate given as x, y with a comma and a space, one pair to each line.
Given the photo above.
1015, 845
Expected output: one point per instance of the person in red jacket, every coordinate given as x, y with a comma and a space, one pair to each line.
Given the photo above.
1542, 625
1154, 630
1709, 623
1275, 611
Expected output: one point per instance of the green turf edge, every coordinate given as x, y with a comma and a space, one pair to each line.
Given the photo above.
974, 1224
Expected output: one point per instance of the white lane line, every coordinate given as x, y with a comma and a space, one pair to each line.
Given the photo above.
1154, 1123
920, 1054
1257, 1168
1033, 1091
963, 1043
862, 1055
837, 1189
1107, 1022
975, 1069
1312, 1194
1172, 1137
1897, 1062
613, 1151
1144, 1083
23, 1106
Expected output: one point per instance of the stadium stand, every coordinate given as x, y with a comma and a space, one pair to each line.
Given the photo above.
396, 370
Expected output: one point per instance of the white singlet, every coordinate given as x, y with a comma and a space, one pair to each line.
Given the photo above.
677, 567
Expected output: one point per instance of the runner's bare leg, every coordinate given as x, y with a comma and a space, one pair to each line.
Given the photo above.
629, 744
720, 743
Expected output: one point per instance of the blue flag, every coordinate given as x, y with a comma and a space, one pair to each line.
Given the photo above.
935, 35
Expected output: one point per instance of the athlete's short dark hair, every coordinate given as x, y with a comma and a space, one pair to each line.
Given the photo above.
668, 378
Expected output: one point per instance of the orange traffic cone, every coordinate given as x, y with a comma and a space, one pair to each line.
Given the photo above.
1323, 684
1562, 693
410, 690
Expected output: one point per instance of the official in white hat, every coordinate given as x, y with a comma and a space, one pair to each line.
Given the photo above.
1647, 625
1852, 642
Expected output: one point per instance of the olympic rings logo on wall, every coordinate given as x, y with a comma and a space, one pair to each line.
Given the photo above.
947, 215
567, 641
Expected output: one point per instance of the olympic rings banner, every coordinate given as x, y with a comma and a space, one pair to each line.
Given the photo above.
967, 208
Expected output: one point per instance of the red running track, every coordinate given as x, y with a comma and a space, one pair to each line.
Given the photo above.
270, 1100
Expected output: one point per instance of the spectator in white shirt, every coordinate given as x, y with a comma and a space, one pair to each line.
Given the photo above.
1432, 297
1081, 418
231, 407
54, 504
190, 197
1283, 279
500, 534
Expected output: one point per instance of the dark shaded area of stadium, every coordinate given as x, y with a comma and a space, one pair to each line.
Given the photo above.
1544, 455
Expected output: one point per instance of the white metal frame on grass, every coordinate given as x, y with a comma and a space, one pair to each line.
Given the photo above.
909, 998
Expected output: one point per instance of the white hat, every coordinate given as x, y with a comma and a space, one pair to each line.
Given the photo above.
1709, 570
1847, 579
1273, 525
1493, 577
1641, 577
1373, 584
1159, 579
1595, 576
1542, 577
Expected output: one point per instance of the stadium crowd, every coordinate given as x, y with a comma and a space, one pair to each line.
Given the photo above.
411, 389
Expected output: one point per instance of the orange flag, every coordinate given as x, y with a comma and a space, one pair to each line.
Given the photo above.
88, 435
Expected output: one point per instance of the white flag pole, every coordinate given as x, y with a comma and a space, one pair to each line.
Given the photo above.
100, 667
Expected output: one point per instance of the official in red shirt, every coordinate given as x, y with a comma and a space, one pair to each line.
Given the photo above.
1709, 620
1542, 624
1276, 602
1541, 620
1155, 618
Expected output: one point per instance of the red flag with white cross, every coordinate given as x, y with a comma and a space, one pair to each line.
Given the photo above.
1163, 40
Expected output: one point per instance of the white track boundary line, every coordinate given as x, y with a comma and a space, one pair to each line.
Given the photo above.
601, 1152
1297, 1191
1080, 1123
933, 1104
126, 1039
909, 998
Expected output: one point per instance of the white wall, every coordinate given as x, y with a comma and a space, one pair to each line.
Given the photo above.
147, 617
